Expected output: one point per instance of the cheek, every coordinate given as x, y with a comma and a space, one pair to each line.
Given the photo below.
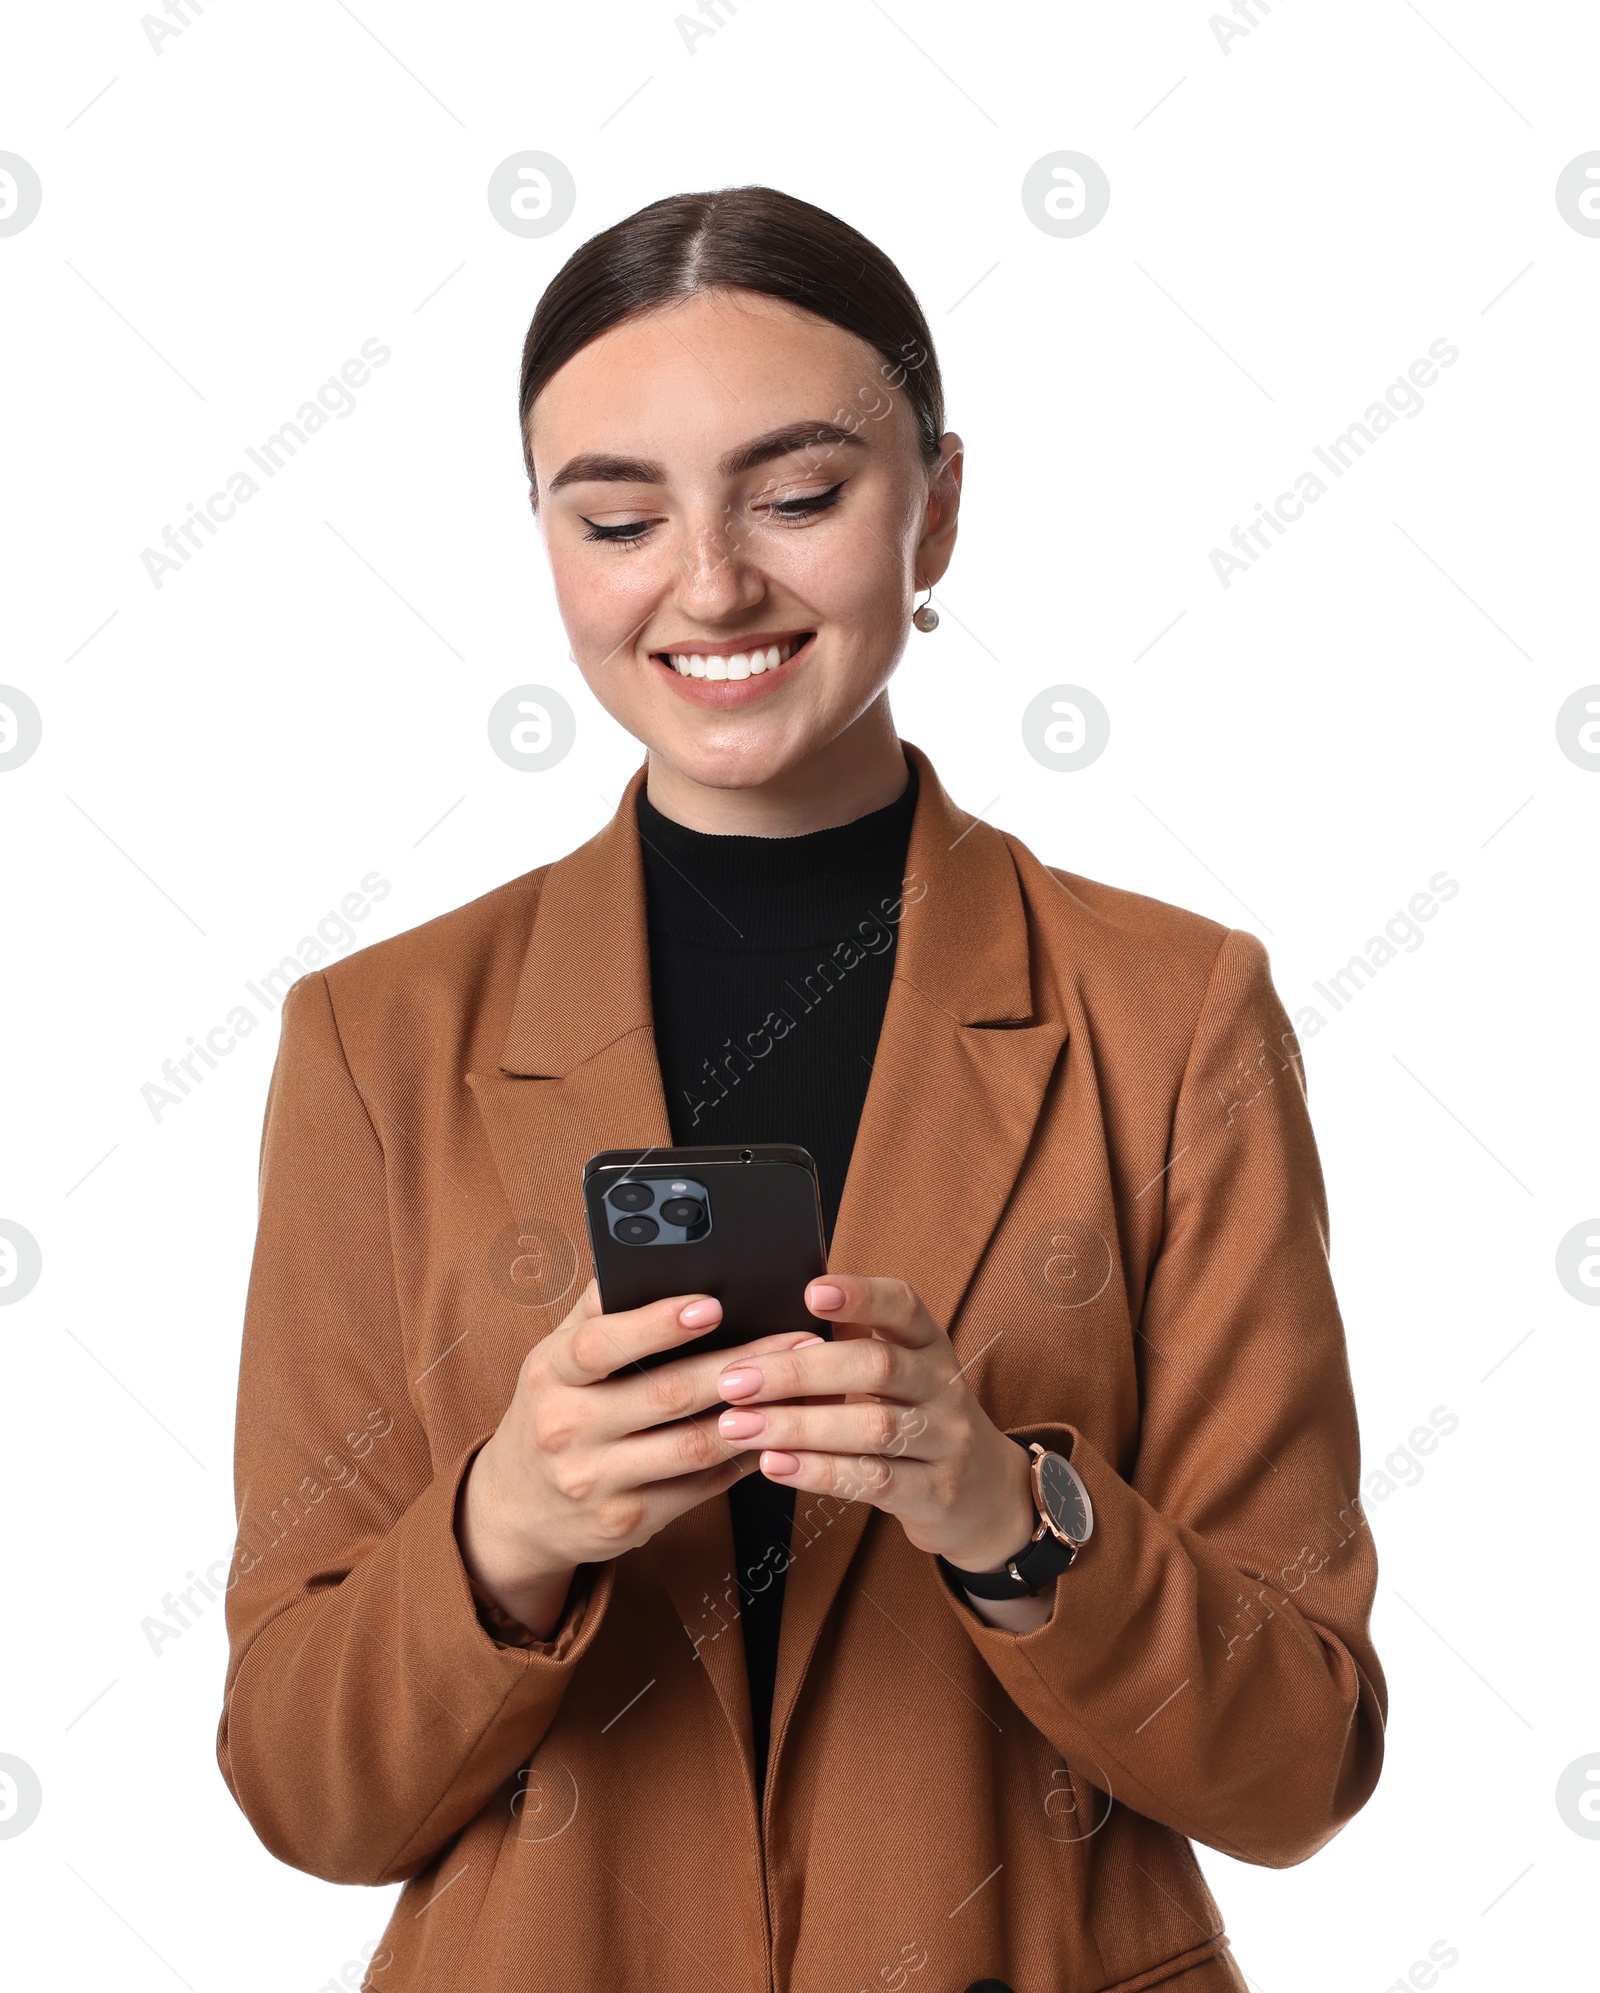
601, 599
852, 577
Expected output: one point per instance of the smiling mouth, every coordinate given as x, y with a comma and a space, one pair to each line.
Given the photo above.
719, 665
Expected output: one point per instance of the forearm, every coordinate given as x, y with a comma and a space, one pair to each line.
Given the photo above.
1256, 1734
367, 1720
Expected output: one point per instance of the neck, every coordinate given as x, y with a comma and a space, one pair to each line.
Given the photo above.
861, 770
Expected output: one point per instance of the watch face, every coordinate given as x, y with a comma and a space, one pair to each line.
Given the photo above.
1064, 1499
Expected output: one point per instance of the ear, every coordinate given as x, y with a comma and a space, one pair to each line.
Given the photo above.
944, 504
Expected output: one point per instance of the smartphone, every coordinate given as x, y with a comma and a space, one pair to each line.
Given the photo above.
744, 1224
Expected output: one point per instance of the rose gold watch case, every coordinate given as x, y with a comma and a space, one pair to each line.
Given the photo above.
1047, 1522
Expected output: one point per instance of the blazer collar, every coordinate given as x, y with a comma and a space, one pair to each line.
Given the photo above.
585, 979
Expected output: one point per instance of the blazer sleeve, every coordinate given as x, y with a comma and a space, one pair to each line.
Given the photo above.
368, 1711
1207, 1657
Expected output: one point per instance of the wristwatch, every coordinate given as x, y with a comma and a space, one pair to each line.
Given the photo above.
1065, 1522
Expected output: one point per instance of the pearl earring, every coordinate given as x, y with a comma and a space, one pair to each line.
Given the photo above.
927, 617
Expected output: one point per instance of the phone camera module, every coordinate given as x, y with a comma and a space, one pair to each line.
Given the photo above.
657, 1208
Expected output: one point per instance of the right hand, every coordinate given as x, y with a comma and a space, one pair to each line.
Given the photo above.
586, 1463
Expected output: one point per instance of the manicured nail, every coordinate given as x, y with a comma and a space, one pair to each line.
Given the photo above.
739, 1383
776, 1465
700, 1314
805, 1342
741, 1425
824, 1299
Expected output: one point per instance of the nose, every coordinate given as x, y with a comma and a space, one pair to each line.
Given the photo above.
718, 576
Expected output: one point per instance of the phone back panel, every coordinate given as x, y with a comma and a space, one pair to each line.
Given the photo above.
761, 1243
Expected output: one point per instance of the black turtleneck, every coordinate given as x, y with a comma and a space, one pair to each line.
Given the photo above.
770, 964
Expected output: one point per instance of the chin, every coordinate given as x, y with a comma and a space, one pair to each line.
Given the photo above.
727, 754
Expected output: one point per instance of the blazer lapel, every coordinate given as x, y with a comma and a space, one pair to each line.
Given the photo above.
578, 1073
962, 1064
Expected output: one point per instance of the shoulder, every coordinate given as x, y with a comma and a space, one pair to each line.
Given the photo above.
1111, 927
434, 982
1151, 964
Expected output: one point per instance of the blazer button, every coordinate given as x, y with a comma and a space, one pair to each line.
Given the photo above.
989, 1986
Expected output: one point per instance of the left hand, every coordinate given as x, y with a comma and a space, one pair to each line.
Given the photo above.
883, 1414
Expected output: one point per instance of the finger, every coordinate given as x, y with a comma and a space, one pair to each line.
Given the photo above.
637, 1399
896, 1432
590, 1345
892, 1307
608, 1470
866, 1364
613, 1471
656, 1503
847, 1477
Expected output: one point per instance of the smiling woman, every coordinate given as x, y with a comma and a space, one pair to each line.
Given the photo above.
738, 590
792, 1662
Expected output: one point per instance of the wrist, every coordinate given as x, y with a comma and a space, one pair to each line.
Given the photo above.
505, 1573
524, 1618
1063, 1524
1024, 1615
1006, 1531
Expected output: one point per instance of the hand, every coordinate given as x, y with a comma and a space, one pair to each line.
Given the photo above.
587, 1464
883, 1415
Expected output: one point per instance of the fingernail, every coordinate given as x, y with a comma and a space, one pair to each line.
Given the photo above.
805, 1342
700, 1314
741, 1425
739, 1383
779, 1464
824, 1297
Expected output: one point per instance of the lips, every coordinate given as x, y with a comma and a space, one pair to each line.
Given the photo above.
733, 661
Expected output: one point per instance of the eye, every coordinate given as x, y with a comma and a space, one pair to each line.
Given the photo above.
628, 534
804, 508
632, 532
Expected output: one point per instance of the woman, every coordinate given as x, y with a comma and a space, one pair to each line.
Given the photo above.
922, 1661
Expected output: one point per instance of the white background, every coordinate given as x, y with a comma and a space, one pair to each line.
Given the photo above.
1293, 221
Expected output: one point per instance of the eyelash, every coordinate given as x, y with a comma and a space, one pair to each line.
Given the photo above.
631, 532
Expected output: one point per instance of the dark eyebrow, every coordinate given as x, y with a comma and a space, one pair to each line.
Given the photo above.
597, 467
783, 442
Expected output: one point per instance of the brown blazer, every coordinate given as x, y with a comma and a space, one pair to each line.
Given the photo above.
1086, 1146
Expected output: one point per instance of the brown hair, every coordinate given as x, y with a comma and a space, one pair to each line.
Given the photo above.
744, 238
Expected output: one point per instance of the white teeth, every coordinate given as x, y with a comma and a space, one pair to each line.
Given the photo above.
742, 664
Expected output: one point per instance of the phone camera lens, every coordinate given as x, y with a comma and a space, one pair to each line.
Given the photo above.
684, 1211
637, 1231
631, 1196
